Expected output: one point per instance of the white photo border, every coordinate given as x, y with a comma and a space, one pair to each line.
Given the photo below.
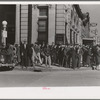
53, 92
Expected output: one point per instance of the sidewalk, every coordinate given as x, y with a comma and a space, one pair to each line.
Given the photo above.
42, 68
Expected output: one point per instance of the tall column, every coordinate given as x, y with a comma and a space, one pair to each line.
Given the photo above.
29, 23
17, 29
51, 22
35, 14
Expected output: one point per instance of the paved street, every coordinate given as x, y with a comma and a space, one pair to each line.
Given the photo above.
54, 77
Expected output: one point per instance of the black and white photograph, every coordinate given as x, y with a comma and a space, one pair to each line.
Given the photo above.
44, 45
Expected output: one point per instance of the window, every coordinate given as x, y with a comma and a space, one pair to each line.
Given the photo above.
59, 38
43, 12
42, 37
70, 36
42, 25
76, 37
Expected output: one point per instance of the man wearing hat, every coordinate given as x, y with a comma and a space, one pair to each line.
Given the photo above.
24, 54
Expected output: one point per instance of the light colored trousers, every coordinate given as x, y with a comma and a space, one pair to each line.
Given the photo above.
47, 60
38, 55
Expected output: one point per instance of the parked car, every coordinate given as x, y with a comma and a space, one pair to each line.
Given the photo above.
5, 60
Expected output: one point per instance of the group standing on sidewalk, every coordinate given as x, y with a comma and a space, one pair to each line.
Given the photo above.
68, 56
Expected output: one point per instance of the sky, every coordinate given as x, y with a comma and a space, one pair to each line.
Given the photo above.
94, 12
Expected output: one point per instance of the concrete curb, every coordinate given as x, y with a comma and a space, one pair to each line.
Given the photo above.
52, 68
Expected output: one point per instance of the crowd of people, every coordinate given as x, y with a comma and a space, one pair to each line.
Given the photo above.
69, 56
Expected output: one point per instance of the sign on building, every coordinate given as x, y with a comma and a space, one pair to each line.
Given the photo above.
4, 34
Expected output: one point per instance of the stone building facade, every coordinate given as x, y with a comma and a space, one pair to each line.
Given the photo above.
58, 23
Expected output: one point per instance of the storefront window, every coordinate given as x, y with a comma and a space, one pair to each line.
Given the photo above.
59, 39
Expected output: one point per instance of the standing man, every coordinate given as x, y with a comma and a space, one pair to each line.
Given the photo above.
74, 57
79, 53
66, 55
37, 50
24, 54
47, 55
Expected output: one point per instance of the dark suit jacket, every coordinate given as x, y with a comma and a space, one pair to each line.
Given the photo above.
24, 50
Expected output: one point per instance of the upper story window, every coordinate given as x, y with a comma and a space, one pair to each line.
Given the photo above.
43, 12
42, 25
